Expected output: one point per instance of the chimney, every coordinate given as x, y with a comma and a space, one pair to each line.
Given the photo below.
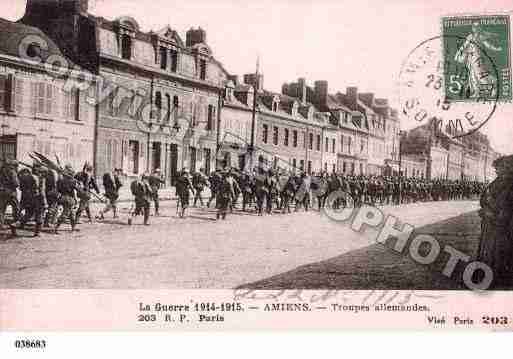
321, 93
285, 89
37, 10
251, 79
302, 90
234, 79
367, 98
195, 36
352, 95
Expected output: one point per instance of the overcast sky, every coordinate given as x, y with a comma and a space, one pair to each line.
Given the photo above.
349, 43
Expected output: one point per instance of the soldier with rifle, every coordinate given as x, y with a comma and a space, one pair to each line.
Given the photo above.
8, 190
155, 181
67, 187
143, 193
87, 184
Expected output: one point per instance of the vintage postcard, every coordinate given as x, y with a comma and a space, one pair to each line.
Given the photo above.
222, 165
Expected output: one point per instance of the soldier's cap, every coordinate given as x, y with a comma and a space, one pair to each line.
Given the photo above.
505, 161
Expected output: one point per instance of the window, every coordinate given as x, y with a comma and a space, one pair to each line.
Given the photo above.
286, 137
326, 145
168, 107
275, 106
211, 116
133, 161
310, 143
302, 165
309, 167
203, 69
265, 133
349, 145
325, 166
352, 168
344, 166
126, 47
71, 104
318, 143
174, 60
294, 163
342, 143
361, 168
294, 138
333, 168
158, 104
163, 58
362, 146
333, 145
45, 98
5, 88
207, 155
275, 135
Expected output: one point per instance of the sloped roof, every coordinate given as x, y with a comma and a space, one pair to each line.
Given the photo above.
14, 34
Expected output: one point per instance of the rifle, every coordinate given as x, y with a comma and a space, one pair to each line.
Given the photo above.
38, 157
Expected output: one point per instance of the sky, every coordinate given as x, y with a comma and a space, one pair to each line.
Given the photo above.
348, 43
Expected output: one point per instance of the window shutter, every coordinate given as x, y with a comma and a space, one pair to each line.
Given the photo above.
11, 92
3, 92
81, 110
142, 148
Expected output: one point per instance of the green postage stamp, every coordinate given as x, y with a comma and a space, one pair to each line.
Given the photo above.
477, 58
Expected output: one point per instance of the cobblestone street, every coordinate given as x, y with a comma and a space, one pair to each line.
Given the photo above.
198, 252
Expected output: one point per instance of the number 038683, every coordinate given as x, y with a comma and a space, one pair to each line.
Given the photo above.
30, 344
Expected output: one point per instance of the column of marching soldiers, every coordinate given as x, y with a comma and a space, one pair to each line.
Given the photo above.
52, 195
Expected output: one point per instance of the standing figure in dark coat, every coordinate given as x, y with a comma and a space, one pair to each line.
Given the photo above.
8, 186
215, 181
111, 184
183, 188
143, 193
67, 187
199, 182
52, 197
87, 184
156, 181
225, 195
496, 245
34, 198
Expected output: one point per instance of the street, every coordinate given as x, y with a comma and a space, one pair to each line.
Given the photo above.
199, 252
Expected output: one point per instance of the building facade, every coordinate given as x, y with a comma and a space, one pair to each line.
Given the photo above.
159, 97
41, 108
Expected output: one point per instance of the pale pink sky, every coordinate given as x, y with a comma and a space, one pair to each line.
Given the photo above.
361, 43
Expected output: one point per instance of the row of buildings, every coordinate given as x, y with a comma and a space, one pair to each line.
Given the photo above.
87, 89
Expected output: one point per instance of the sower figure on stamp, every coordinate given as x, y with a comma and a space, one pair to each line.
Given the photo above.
8, 190
111, 184
34, 198
199, 182
496, 244
156, 181
88, 183
143, 193
183, 189
67, 187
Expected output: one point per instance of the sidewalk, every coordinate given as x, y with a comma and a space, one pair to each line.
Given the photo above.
378, 267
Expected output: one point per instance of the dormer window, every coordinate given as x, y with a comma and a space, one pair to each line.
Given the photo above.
275, 104
295, 107
126, 47
203, 69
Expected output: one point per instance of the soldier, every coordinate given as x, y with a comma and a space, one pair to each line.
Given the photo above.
67, 187
183, 188
225, 194
34, 198
111, 184
199, 182
214, 180
272, 191
155, 181
261, 190
87, 184
8, 190
246, 185
143, 192
496, 244
52, 197
287, 193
